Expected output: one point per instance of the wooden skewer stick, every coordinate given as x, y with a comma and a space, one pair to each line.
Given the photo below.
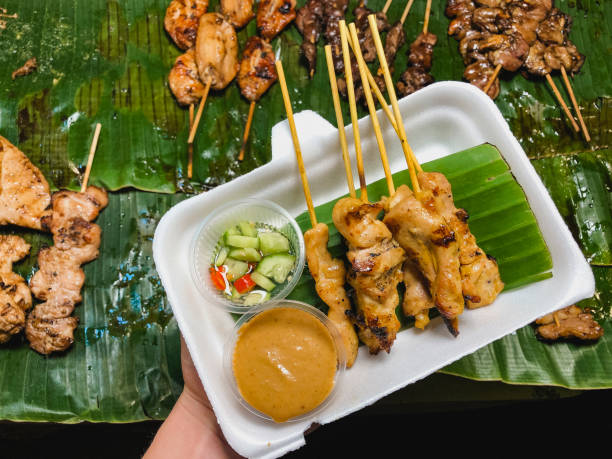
562, 102
408, 153
386, 7
92, 152
585, 131
296, 142
350, 89
194, 128
340, 120
190, 145
379, 95
368, 95
247, 129
492, 79
427, 13
406, 11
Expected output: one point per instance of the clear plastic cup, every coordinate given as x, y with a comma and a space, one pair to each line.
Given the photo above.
230, 345
206, 240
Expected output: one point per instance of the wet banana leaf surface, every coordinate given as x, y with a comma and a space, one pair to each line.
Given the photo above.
107, 61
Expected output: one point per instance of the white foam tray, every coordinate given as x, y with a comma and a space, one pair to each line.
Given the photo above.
441, 119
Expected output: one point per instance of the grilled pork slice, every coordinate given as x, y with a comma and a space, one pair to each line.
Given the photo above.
481, 282
376, 261
432, 246
417, 298
15, 296
24, 192
329, 275
571, 322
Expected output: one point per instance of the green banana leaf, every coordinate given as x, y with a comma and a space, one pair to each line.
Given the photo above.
107, 61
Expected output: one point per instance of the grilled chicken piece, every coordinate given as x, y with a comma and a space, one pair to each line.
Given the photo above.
333, 13
522, 23
273, 16
421, 50
24, 192
535, 63
58, 282
329, 276
570, 322
469, 46
413, 79
460, 25
509, 51
555, 28
493, 3
566, 55
257, 71
238, 12
458, 7
479, 73
181, 21
366, 39
396, 37
480, 279
376, 261
488, 19
184, 79
431, 245
310, 21
15, 297
417, 298
216, 51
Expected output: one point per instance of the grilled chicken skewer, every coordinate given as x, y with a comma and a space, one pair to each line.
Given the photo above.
15, 297
182, 19
238, 12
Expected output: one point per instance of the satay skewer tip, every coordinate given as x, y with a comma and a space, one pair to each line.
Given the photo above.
90, 158
570, 91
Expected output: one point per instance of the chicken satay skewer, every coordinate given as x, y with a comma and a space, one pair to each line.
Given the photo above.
413, 164
348, 73
575, 104
562, 102
368, 95
340, 121
92, 153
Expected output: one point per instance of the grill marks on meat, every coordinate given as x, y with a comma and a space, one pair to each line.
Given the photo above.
216, 51
181, 21
15, 297
58, 282
366, 39
184, 79
24, 192
420, 56
257, 71
310, 21
375, 270
273, 16
238, 12
329, 276
569, 323
417, 298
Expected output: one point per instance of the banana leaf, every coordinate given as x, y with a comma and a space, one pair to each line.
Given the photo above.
107, 61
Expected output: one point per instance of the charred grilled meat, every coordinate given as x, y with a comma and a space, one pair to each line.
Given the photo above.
15, 297
329, 276
216, 51
333, 12
273, 16
58, 282
569, 323
238, 12
184, 79
417, 298
479, 73
181, 21
413, 79
24, 192
257, 71
366, 40
420, 57
310, 21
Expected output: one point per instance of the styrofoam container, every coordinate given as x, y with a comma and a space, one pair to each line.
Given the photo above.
440, 119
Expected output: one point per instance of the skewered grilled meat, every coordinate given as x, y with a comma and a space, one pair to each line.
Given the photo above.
273, 16
535, 63
479, 73
492, 3
521, 23
417, 299
184, 79
58, 282
413, 79
257, 71
24, 192
481, 282
567, 56
459, 7
366, 39
376, 261
15, 297
309, 21
570, 322
333, 12
396, 37
238, 12
509, 51
555, 28
329, 276
421, 50
432, 246
469, 46
181, 21
216, 50
460, 25
489, 19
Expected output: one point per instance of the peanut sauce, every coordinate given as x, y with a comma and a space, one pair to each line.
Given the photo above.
284, 363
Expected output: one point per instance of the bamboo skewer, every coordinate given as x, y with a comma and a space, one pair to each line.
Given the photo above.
296, 142
386, 7
562, 102
413, 164
568, 86
406, 11
372, 108
492, 79
353, 109
340, 120
92, 152
194, 128
190, 145
427, 14
247, 129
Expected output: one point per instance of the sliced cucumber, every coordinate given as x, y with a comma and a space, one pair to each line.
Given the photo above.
242, 242
235, 268
247, 229
235, 294
247, 254
233, 231
277, 266
273, 242
256, 297
221, 256
262, 281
